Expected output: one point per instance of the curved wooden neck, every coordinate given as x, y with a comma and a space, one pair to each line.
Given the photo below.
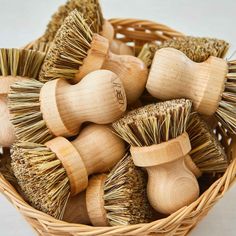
76, 210
95, 202
171, 185
192, 166
99, 98
99, 148
131, 70
174, 75
7, 81
120, 48
7, 133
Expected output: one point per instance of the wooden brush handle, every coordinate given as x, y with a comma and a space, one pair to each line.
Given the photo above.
174, 75
7, 81
88, 207
108, 31
192, 166
95, 201
96, 150
99, 148
131, 70
99, 98
7, 133
171, 185
120, 48
76, 210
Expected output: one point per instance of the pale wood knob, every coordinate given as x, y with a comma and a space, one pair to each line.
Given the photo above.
97, 149
171, 185
120, 48
7, 133
99, 98
108, 31
131, 70
173, 75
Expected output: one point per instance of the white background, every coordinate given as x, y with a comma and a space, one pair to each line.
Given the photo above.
22, 21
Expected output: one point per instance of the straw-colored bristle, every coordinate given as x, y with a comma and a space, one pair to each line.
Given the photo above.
41, 46
26, 117
68, 50
125, 195
20, 62
155, 123
207, 153
197, 49
41, 176
226, 112
90, 9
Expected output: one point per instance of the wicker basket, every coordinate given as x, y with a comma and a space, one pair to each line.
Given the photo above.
181, 222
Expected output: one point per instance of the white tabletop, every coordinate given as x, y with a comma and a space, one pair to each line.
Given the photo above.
23, 21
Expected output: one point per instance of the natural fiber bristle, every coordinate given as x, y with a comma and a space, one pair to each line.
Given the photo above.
41, 46
90, 9
41, 177
125, 195
155, 123
197, 49
26, 117
69, 48
226, 112
207, 152
20, 62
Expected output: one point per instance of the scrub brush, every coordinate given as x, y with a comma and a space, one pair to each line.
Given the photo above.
159, 143
48, 174
76, 51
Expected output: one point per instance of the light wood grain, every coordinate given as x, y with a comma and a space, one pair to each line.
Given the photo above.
108, 31
99, 98
120, 48
174, 75
6, 81
131, 70
96, 150
171, 185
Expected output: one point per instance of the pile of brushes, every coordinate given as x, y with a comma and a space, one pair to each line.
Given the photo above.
80, 152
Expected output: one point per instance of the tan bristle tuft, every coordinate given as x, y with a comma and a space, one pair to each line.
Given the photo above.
226, 112
26, 117
90, 9
41, 176
207, 152
41, 46
68, 50
197, 49
20, 62
125, 195
155, 123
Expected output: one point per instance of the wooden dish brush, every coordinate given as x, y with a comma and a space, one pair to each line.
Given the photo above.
15, 65
159, 143
197, 49
207, 154
41, 111
92, 12
210, 84
48, 174
118, 198
76, 51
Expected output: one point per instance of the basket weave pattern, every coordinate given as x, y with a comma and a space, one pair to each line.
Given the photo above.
181, 222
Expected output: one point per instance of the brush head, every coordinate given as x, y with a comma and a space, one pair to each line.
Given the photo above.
226, 112
41, 46
26, 116
90, 9
155, 123
125, 195
20, 62
197, 49
68, 50
41, 177
207, 153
